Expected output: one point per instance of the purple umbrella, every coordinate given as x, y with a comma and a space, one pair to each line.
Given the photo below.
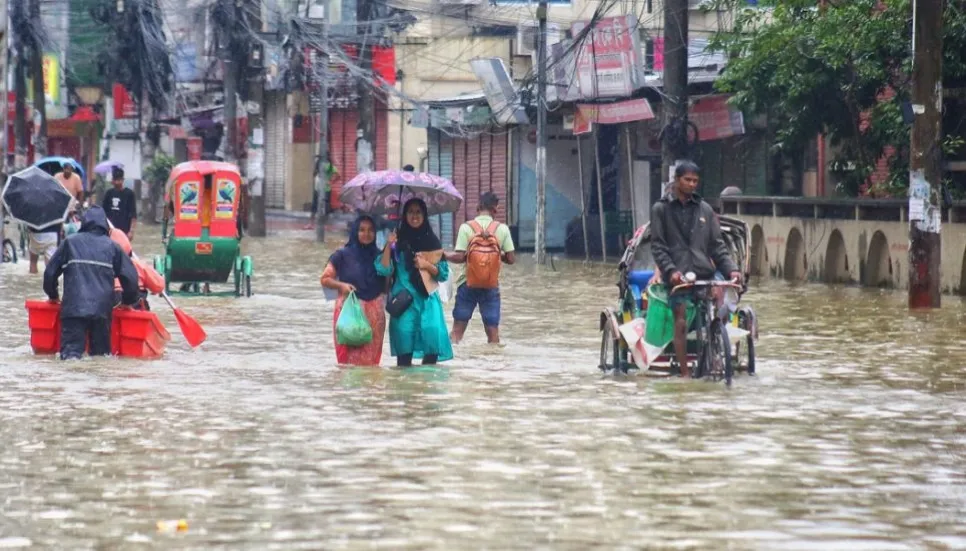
385, 191
105, 167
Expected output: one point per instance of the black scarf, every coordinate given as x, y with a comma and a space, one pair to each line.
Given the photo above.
410, 240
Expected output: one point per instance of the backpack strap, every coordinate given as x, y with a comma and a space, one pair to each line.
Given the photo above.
491, 229
476, 227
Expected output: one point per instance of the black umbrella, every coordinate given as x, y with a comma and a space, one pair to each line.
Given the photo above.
36, 199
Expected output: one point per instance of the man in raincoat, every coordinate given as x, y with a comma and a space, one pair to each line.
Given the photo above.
89, 262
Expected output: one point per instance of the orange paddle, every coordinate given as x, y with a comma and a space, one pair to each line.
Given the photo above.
193, 332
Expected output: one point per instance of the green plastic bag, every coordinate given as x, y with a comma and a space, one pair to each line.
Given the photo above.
352, 328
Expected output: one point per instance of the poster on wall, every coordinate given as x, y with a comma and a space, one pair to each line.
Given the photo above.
188, 201
194, 147
225, 200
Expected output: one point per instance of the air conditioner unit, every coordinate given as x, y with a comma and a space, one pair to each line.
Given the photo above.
526, 42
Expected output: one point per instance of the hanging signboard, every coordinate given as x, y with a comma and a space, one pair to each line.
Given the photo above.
609, 61
499, 90
124, 106
715, 119
611, 113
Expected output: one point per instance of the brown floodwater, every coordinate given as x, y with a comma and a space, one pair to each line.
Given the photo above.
849, 438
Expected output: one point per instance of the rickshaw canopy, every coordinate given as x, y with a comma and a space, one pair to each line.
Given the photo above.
204, 195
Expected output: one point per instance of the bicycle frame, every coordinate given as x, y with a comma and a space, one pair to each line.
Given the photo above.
705, 316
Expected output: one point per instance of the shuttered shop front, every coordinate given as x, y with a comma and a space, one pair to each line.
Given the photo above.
343, 125
480, 165
441, 164
276, 119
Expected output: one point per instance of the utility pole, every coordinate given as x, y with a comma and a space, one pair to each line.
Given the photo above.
40, 101
3, 113
540, 240
925, 159
20, 87
674, 146
3, 94
255, 171
322, 159
365, 142
230, 82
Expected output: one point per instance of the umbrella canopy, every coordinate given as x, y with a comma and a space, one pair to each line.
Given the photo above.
105, 167
53, 165
385, 191
36, 199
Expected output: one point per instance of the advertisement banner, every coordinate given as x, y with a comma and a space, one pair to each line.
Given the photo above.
715, 119
615, 113
225, 201
609, 60
188, 201
124, 106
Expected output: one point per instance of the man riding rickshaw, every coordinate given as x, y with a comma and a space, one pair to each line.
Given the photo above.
673, 273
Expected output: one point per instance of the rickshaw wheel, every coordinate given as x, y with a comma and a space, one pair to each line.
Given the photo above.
9, 251
609, 349
750, 346
248, 285
749, 364
716, 362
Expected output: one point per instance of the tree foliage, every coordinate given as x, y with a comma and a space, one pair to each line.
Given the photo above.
843, 70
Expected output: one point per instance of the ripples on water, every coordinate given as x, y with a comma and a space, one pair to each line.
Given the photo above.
849, 439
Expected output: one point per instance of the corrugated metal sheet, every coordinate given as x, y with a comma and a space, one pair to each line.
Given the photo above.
475, 166
440, 162
276, 119
342, 145
480, 165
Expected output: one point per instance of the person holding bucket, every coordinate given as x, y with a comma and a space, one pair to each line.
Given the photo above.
351, 271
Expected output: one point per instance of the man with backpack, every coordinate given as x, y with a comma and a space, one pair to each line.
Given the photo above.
482, 244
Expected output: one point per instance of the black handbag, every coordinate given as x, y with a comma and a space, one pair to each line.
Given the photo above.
397, 304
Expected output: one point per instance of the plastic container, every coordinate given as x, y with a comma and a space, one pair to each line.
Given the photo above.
134, 334
659, 330
43, 319
138, 334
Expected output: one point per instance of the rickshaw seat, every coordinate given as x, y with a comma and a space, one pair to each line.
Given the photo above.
637, 281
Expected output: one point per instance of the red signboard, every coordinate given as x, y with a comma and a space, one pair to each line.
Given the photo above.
609, 64
194, 148
715, 119
611, 113
124, 106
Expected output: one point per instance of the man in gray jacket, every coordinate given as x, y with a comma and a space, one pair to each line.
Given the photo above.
686, 237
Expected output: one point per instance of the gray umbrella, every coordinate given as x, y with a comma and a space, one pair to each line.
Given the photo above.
36, 199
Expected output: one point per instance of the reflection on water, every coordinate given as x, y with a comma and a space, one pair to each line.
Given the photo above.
849, 438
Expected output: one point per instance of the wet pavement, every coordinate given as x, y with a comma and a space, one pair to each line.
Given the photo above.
849, 438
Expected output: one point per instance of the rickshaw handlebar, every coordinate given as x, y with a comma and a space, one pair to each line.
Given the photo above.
708, 283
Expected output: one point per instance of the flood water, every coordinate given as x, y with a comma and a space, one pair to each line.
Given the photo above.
849, 438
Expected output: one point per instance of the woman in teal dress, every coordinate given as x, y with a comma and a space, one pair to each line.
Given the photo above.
420, 331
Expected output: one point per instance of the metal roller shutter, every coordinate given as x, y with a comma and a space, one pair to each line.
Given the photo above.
276, 124
342, 145
479, 165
